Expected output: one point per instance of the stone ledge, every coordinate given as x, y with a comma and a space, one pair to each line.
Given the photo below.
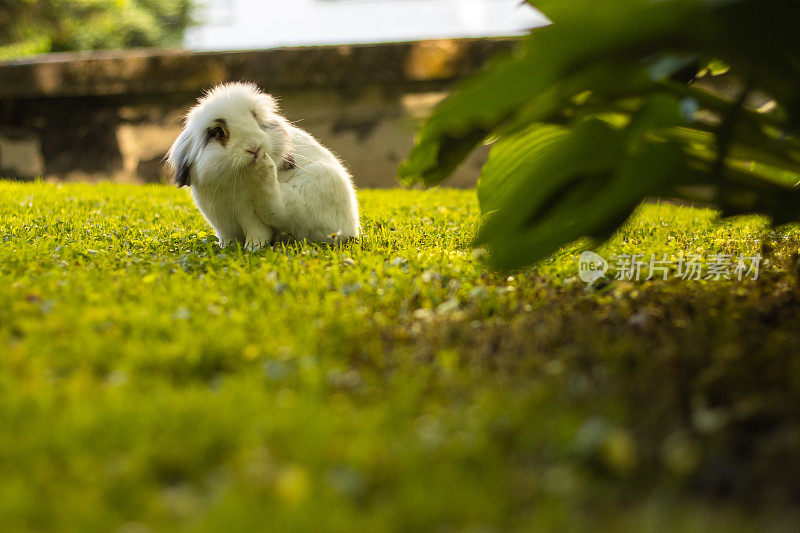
158, 71
113, 115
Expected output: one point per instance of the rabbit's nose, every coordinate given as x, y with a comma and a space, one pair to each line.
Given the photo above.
255, 151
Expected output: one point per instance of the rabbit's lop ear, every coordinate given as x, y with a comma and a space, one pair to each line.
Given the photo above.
181, 158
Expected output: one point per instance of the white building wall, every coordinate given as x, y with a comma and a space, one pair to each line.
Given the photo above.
252, 24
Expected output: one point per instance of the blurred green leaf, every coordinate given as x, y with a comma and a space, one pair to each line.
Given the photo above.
593, 114
594, 164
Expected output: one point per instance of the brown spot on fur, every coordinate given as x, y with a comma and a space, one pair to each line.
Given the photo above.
288, 163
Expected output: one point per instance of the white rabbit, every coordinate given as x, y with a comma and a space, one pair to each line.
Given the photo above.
258, 179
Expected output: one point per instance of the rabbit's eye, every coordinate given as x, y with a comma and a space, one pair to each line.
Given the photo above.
216, 133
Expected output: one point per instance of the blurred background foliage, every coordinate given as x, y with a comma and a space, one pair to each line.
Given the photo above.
618, 101
40, 26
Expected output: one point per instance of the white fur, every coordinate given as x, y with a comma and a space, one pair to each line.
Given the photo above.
256, 199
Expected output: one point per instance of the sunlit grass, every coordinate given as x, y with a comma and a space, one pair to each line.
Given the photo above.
146, 375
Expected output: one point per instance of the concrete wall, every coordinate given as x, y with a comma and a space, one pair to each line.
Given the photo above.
112, 116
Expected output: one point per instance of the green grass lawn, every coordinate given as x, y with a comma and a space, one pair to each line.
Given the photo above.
148, 377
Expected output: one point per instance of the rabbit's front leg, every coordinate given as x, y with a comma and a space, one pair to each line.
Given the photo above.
259, 241
268, 197
258, 231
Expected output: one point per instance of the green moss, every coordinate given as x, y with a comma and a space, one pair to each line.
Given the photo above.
148, 376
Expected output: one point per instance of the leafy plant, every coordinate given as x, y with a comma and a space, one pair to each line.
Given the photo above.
593, 114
